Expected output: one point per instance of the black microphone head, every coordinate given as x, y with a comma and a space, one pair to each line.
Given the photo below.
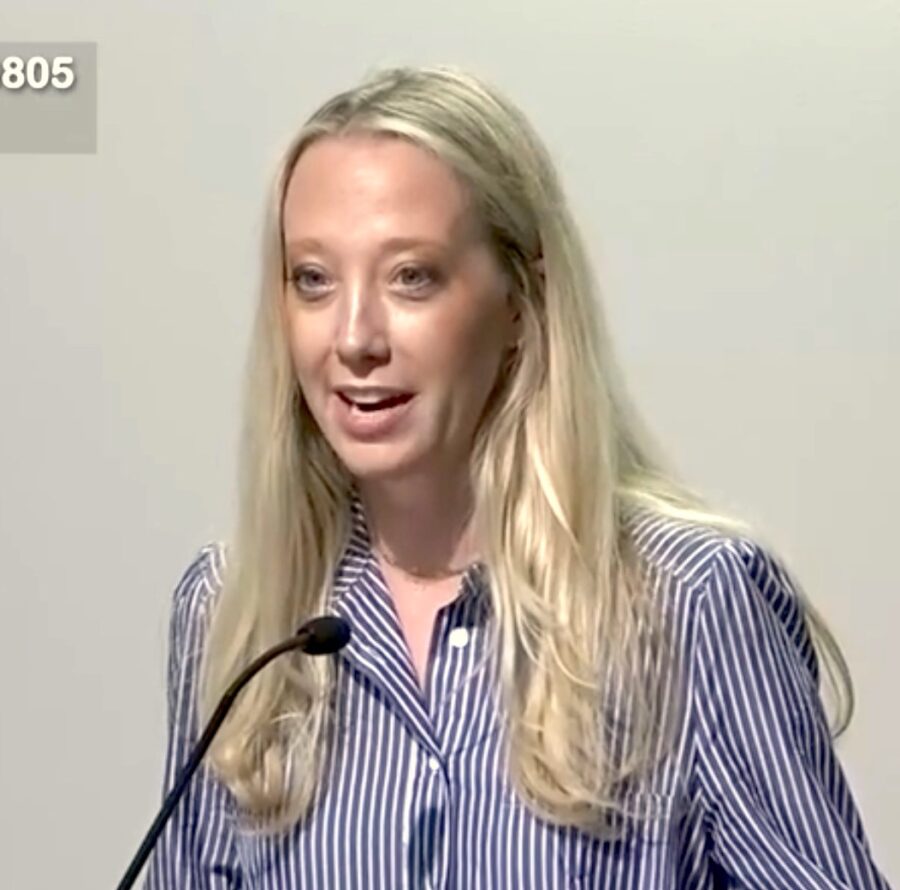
325, 635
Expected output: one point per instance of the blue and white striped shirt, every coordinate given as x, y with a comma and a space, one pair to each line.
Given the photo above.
751, 796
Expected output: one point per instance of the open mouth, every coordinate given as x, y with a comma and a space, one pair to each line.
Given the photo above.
381, 405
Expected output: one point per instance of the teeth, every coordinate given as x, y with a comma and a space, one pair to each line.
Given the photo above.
373, 399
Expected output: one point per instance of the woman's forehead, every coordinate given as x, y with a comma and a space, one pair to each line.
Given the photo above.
383, 185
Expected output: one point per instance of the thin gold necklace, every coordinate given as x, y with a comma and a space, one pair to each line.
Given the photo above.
422, 576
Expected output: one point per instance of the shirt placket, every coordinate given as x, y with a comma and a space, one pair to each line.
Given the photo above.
378, 650
453, 658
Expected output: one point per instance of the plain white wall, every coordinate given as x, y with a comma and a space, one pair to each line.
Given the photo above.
735, 169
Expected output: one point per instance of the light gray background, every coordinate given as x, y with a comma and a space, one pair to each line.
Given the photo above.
735, 169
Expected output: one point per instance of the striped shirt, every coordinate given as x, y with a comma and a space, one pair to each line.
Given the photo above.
751, 795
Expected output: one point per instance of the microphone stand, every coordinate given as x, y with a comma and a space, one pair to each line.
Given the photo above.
321, 636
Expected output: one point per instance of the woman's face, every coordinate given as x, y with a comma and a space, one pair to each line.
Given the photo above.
394, 298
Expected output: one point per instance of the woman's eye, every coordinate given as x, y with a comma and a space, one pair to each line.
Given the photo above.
415, 277
308, 280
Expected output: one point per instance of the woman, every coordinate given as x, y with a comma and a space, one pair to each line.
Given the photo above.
565, 670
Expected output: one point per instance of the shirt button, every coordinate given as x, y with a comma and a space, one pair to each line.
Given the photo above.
434, 764
459, 637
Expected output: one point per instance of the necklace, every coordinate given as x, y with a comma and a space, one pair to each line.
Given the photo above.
423, 576
426, 576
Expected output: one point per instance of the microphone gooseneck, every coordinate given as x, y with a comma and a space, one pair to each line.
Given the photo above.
320, 636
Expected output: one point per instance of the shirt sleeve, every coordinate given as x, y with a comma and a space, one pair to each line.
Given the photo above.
777, 808
196, 850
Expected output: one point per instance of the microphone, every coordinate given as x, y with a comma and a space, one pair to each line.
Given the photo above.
320, 636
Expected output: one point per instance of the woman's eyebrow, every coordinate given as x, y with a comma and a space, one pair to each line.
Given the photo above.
393, 244
304, 244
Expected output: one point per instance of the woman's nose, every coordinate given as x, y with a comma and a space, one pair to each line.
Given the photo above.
362, 334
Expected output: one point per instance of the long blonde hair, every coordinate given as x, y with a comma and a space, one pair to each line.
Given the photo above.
559, 458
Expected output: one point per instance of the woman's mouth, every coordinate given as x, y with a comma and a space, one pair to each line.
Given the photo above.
371, 405
372, 419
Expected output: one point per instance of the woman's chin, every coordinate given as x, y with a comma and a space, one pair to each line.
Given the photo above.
368, 462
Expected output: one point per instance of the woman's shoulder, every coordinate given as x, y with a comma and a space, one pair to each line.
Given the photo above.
722, 574
197, 589
700, 561
690, 550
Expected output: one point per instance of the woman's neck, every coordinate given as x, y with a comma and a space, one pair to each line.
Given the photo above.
420, 526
